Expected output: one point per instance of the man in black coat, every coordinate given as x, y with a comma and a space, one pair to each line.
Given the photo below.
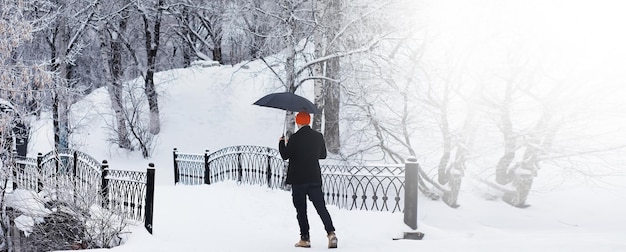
304, 149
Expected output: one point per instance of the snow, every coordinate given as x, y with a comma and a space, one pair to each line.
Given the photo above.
27, 201
25, 223
30, 204
209, 107
231, 217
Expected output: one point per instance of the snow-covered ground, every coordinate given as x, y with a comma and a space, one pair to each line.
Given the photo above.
203, 109
231, 217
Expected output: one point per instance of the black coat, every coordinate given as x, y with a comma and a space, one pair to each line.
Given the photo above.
304, 149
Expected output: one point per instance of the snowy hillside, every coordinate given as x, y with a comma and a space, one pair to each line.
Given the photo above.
201, 109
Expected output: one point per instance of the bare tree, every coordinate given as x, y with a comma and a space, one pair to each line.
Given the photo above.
382, 86
110, 28
134, 113
200, 27
152, 16
441, 94
21, 81
66, 41
297, 23
259, 20
333, 23
318, 69
525, 143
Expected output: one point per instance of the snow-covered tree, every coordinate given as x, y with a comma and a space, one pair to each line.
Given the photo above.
338, 28
21, 83
152, 16
200, 28
65, 37
111, 27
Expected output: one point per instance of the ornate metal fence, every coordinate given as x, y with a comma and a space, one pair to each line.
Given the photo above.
70, 176
364, 187
246, 164
75, 177
26, 174
378, 188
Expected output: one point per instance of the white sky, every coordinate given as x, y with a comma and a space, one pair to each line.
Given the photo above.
576, 43
566, 32
212, 108
576, 46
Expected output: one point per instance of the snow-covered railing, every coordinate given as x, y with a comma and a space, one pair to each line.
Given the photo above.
74, 177
245, 164
354, 187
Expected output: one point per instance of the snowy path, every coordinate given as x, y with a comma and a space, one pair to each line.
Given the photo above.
231, 217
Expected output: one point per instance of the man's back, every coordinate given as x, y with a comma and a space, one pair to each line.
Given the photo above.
304, 148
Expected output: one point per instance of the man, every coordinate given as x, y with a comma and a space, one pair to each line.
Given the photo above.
304, 149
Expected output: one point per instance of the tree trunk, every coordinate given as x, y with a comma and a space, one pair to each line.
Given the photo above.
61, 97
331, 108
217, 52
187, 49
332, 94
318, 69
187, 55
112, 59
538, 141
443, 175
153, 104
152, 46
318, 100
117, 86
510, 145
457, 170
290, 63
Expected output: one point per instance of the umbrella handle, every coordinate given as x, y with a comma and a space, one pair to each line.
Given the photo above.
285, 132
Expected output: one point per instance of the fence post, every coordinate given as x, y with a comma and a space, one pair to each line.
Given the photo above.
75, 162
39, 172
207, 179
57, 159
176, 172
240, 167
410, 198
269, 169
104, 184
149, 197
75, 174
14, 168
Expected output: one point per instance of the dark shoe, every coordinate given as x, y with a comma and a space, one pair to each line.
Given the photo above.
332, 240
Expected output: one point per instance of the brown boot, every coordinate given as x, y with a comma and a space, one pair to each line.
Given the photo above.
332, 240
304, 242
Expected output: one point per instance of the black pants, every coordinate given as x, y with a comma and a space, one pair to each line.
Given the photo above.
314, 191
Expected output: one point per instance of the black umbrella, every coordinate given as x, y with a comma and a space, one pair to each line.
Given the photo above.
288, 101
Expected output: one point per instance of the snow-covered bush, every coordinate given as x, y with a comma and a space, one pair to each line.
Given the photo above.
44, 224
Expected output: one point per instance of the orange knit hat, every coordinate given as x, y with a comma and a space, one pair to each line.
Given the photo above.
303, 118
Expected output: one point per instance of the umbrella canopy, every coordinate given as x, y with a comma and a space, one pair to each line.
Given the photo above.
288, 101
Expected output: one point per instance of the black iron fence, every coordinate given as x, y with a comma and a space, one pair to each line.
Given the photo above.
246, 164
75, 177
379, 188
364, 187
